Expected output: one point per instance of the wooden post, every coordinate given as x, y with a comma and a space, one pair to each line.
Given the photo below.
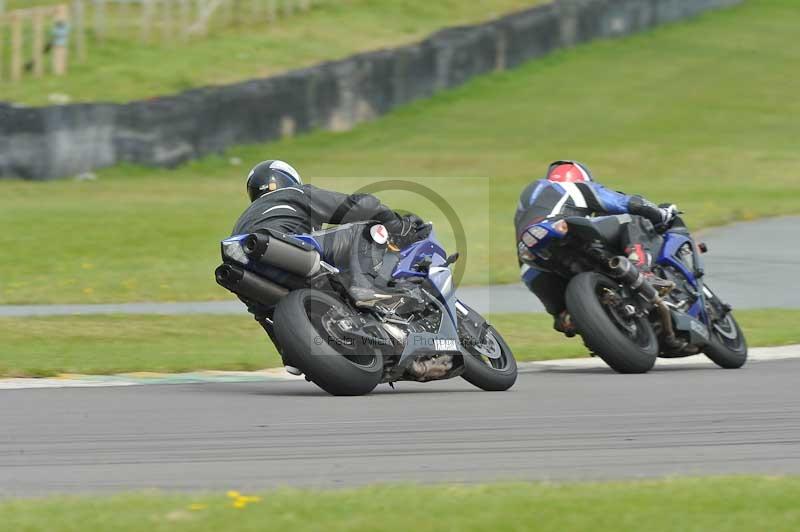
288, 6
166, 20
117, 15
145, 21
237, 7
184, 20
202, 6
226, 12
197, 12
100, 18
125, 12
16, 48
38, 43
2, 42
61, 40
79, 30
272, 11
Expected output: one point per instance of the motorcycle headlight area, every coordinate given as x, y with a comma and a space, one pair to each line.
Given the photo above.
533, 235
232, 249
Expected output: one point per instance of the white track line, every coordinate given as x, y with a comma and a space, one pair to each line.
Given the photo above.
755, 354
758, 354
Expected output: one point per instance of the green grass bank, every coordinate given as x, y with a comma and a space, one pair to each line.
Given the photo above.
40, 347
722, 504
122, 67
702, 113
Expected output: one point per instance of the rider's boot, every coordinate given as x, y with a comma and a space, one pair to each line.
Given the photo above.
564, 324
293, 370
365, 257
403, 297
365, 294
266, 323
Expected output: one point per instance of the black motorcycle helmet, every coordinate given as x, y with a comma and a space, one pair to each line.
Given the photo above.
269, 176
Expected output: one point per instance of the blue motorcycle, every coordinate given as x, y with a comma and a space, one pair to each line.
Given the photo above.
426, 334
624, 317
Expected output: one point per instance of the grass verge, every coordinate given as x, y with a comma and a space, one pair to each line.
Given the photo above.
122, 68
702, 113
688, 504
118, 344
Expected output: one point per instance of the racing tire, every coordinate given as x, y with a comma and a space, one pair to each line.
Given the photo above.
727, 346
337, 368
491, 375
602, 335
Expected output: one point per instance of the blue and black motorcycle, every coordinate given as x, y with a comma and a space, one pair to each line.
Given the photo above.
426, 334
624, 317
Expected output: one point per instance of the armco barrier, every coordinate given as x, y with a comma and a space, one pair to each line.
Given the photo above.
56, 141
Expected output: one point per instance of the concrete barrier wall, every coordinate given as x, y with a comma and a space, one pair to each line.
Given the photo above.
56, 141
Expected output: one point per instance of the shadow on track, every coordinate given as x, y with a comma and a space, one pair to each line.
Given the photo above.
657, 369
307, 389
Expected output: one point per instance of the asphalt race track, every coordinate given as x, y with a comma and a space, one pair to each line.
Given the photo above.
567, 424
558, 424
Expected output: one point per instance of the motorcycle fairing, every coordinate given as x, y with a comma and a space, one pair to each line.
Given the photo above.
445, 339
415, 253
309, 239
669, 256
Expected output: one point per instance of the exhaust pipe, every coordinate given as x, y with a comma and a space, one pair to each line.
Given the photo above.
285, 254
621, 269
249, 285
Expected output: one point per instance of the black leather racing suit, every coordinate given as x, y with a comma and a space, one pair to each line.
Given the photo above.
303, 209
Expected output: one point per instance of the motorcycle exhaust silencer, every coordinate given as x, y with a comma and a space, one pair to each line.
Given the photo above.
622, 269
285, 253
249, 285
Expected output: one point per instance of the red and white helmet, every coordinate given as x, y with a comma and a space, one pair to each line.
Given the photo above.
568, 172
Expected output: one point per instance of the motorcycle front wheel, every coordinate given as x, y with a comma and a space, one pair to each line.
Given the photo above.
309, 328
490, 365
627, 345
727, 347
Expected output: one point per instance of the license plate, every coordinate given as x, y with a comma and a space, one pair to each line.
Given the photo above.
445, 344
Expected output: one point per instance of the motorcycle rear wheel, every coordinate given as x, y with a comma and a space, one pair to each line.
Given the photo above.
627, 346
305, 326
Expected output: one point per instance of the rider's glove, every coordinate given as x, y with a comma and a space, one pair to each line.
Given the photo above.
668, 214
659, 216
408, 232
411, 222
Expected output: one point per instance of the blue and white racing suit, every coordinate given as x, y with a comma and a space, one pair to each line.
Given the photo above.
545, 199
